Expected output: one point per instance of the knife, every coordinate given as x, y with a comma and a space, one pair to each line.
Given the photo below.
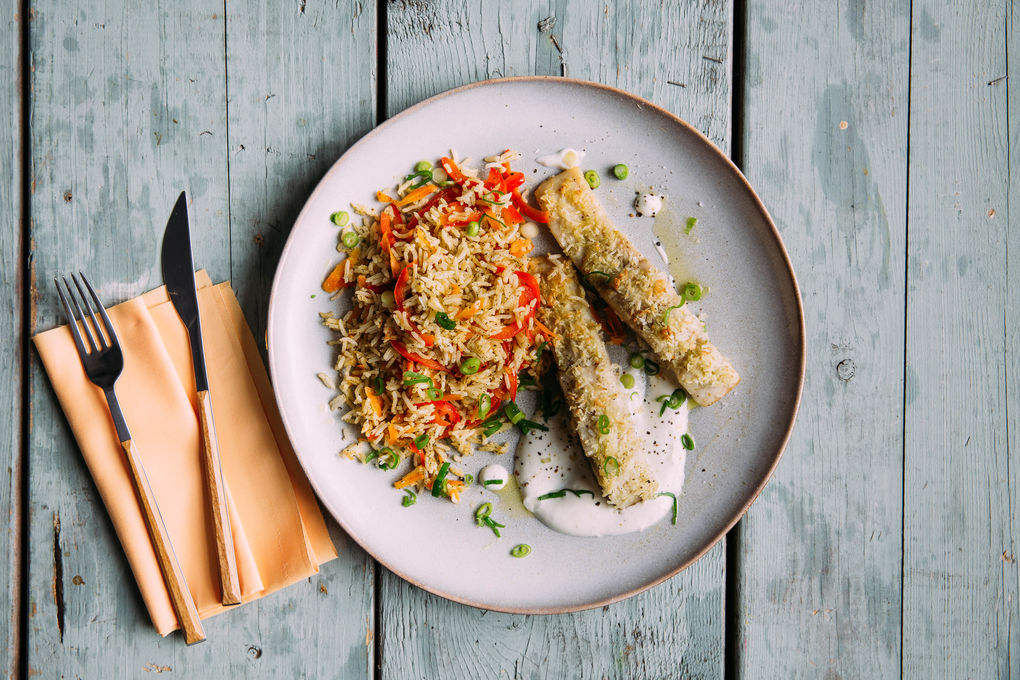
179, 276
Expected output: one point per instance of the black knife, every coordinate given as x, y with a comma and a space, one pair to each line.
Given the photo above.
179, 276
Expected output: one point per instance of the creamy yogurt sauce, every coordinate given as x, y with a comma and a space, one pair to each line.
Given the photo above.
648, 205
493, 476
564, 159
552, 461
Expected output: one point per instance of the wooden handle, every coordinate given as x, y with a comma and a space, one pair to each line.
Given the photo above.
230, 584
180, 596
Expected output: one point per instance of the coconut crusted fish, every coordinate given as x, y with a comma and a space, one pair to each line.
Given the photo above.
591, 387
639, 293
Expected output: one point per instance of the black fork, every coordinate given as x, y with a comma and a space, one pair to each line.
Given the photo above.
103, 362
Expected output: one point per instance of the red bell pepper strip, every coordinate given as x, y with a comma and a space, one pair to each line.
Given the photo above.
399, 291
398, 217
513, 181
416, 358
452, 170
532, 214
446, 414
530, 293
510, 215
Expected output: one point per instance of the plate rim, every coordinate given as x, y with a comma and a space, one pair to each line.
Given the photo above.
773, 231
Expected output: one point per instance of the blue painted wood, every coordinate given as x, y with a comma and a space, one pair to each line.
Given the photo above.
825, 140
960, 610
12, 270
675, 629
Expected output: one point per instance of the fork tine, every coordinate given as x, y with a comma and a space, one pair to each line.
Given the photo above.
102, 311
93, 346
72, 322
100, 338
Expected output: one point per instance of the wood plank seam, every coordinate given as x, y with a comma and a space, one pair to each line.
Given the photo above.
19, 469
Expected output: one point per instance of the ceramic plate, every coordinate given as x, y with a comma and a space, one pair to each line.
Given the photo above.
753, 311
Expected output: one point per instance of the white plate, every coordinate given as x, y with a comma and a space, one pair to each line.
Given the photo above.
753, 311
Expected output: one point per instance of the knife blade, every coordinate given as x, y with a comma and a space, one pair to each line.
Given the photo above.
179, 277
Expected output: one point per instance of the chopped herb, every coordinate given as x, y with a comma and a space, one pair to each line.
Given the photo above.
412, 378
665, 314
603, 424
482, 512
470, 365
484, 404
340, 218
444, 321
552, 494
592, 178
636, 360
620, 171
421, 441
513, 412
688, 442
522, 550
472, 228
692, 291
439, 486
673, 496
627, 380
691, 221
651, 368
410, 499
611, 466
349, 239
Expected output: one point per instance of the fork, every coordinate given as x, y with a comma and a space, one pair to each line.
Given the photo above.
103, 362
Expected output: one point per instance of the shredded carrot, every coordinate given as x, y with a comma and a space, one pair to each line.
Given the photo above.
382, 198
470, 310
417, 195
394, 263
455, 289
412, 477
521, 247
420, 235
391, 434
334, 281
375, 401
545, 329
452, 397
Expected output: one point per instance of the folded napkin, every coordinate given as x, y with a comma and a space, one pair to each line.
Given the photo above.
279, 534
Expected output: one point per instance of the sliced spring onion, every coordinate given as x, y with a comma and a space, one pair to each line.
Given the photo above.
673, 496
469, 479
472, 229
665, 314
470, 365
349, 239
597, 273
482, 512
410, 499
581, 492
412, 378
691, 221
524, 379
627, 380
688, 441
692, 291
553, 494
529, 425
592, 178
387, 459
371, 455
340, 218
522, 550
636, 360
425, 175
493, 524
603, 424
439, 486
444, 321
421, 441
651, 368
433, 393
422, 165
611, 466
538, 351
484, 404
379, 384
492, 428
492, 482
620, 171
513, 412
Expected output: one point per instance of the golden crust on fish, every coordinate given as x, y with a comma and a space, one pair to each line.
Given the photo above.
591, 387
638, 292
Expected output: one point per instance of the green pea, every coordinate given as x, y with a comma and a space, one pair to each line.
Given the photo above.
620, 171
472, 229
627, 380
422, 166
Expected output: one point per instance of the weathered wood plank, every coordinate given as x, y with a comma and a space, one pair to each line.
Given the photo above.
1011, 579
959, 576
301, 89
676, 629
12, 270
825, 140
129, 106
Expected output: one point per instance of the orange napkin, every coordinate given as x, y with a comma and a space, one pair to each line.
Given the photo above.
279, 534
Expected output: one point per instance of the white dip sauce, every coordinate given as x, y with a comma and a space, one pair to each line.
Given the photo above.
496, 476
564, 159
552, 461
648, 205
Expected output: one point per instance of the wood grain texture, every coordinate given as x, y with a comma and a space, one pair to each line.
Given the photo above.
12, 270
960, 611
130, 107
676, 629
230, 583
825, 140
1011, 579
173, 576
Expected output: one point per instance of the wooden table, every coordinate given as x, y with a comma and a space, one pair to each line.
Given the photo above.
884, 138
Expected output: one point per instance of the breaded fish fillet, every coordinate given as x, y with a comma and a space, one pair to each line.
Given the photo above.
591, 387
638, 292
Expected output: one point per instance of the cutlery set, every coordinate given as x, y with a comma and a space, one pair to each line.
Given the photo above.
99, 350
